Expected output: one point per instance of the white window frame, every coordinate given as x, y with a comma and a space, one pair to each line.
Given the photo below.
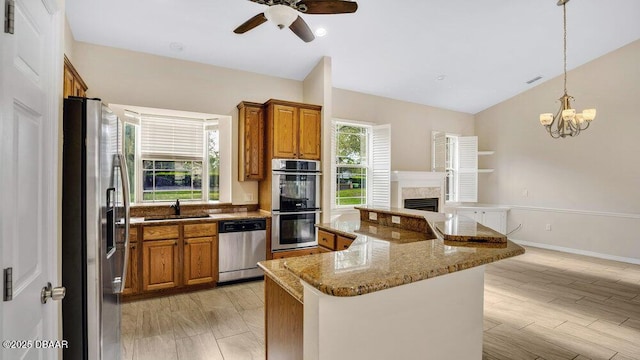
379, 170
211, 122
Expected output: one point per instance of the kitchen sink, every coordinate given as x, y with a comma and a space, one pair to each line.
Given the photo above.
175, 217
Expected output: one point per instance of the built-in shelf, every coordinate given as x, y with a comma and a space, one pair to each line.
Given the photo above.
485, 170
486, 152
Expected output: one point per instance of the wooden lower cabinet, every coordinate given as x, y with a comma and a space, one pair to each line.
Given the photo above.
160, 269
283, 323
293, 253
132, 284
200, 253
328, 241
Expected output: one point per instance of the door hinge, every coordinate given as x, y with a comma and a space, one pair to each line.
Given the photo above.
7, 280
9, 16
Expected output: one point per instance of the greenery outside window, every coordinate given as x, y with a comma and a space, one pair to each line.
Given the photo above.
167, 180
129, 150
352, 162
213, 156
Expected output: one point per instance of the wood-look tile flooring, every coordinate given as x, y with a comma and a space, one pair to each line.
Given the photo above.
543, 305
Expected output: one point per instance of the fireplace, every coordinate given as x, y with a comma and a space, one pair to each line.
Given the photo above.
427, 204
421, 186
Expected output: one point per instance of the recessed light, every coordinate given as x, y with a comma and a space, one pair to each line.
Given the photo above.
441, 77
176, 46
320, 32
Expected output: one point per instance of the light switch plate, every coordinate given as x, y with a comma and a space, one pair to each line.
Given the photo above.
395, 219
373, 216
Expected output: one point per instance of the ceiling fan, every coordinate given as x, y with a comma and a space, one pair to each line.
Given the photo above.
284, 13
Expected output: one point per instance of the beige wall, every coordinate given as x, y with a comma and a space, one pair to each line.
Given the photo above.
411, 125
69, 41
133, 78
595, 175
317, 90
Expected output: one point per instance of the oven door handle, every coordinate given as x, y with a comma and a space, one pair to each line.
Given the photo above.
295, 212
296, 173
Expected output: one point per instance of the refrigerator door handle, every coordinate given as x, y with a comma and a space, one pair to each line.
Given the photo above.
124, 179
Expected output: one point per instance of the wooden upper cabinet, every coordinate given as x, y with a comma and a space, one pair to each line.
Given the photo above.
285, 131
251, 141
293, 130
309, 138
73, 83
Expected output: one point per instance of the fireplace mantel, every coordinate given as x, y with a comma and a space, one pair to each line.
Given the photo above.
412, 184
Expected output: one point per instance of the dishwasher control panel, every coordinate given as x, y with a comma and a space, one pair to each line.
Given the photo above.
228, 226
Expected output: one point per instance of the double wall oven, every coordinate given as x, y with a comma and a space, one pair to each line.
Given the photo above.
295, 203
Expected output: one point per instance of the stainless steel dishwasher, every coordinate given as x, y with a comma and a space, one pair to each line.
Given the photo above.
242, 245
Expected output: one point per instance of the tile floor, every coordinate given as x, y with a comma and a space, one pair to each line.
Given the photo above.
543, 305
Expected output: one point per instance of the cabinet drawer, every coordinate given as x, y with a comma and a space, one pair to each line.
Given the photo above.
293, 253
198, 230
343, 243
323, 249
160, 232
326, 239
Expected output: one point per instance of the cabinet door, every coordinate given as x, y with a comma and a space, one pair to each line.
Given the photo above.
309, 134
495, 219
160, 264
473, 214
251, 152
285, 132
131, 283
200, 265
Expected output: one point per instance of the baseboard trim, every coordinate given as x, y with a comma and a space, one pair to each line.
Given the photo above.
577, 251
572, 211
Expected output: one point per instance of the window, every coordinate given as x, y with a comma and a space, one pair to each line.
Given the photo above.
213, 156
351, 164
361, 164
129, 151
174, 155
167, 180
457, 157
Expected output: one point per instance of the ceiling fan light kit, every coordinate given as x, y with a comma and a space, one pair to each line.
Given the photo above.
285, 13
567, 122
281, 15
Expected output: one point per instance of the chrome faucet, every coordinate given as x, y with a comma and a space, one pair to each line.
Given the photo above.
176, 207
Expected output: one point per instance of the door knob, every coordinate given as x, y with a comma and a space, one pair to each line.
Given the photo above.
55, 294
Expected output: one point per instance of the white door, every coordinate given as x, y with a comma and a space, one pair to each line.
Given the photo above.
30, 99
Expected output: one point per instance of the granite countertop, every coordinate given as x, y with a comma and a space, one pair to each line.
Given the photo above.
384, 256
259, 214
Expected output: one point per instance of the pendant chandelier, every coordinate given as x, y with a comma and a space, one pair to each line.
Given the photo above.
566, 122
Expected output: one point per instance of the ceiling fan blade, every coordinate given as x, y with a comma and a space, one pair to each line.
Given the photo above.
329, 6
300, 28
250, 24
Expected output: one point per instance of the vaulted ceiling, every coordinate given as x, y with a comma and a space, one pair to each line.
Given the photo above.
458, 54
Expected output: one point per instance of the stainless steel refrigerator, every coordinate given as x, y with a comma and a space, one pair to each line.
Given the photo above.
95, 229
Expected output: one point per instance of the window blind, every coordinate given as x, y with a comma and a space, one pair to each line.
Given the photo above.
171, 137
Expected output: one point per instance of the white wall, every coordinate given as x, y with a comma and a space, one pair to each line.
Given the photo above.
133, 78
411, 124
596, 176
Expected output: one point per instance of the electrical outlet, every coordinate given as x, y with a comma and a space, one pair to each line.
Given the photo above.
548, 227
248, 197
373, 216
395, 219
525, 192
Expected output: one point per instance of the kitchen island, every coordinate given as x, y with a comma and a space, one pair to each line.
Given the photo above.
410, 287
